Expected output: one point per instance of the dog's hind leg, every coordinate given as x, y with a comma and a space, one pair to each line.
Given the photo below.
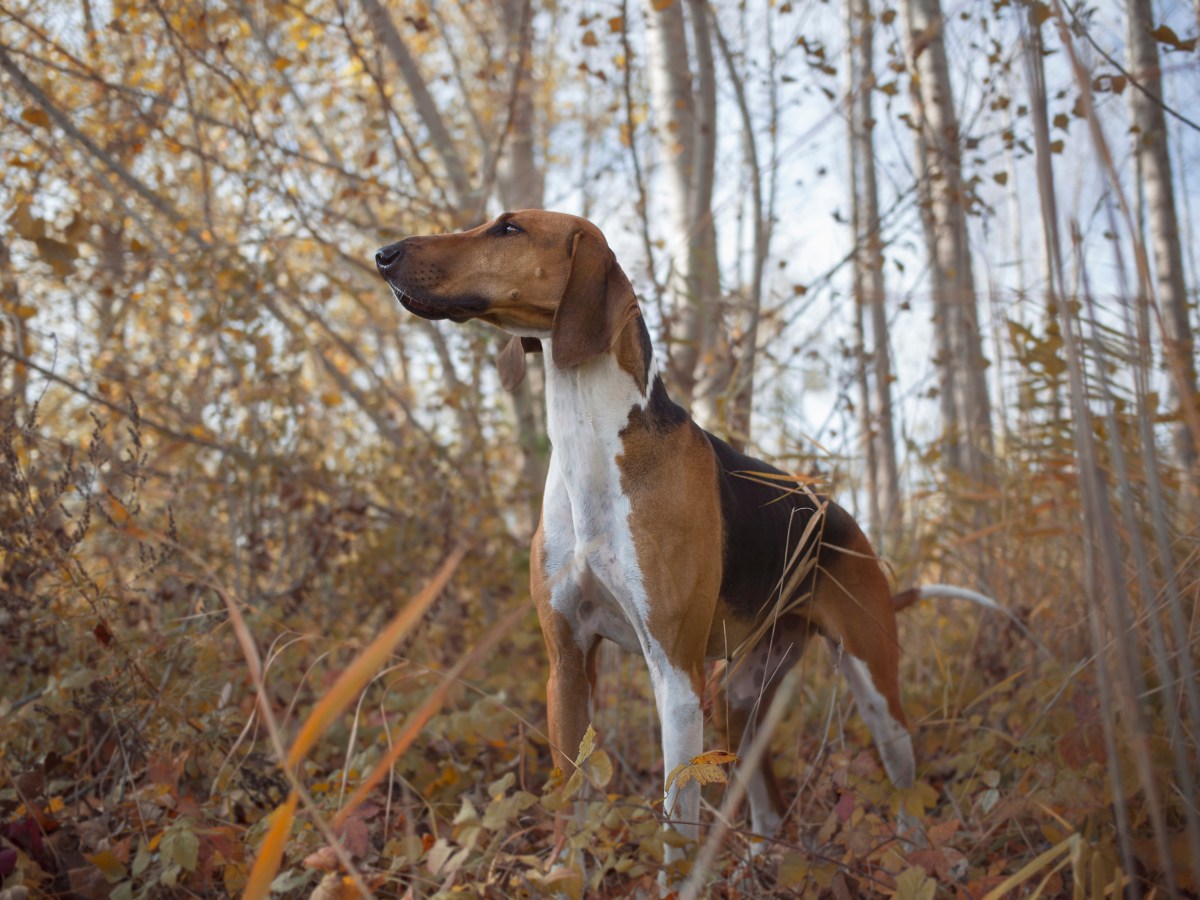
746, 695
852, 605
891, 737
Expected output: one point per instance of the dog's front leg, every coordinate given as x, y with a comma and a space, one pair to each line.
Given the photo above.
677, 694
568, 689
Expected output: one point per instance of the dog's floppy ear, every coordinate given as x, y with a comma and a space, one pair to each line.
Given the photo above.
596, 304
511, 361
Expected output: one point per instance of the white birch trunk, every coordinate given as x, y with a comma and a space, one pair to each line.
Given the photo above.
1150, 144
965, 405
686, 145
883, 478
714, 366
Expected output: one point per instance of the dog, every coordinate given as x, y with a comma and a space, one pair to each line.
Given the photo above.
654, 533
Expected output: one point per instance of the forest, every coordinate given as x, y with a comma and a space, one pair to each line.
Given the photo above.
265, 620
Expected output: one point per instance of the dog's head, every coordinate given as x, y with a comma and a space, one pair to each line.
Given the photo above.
534, 274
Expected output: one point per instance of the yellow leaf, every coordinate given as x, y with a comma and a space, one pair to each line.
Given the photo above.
1164, 35
561, 882
368, 663
715, 758
123, 519
36, 116
106, 861
914, 800
280, 63
258, 884
574, 783
703, 769
234, 877
660, 5
799, 868
25, 311
589, 39
586, 746
600, 769
25, 223
914, 884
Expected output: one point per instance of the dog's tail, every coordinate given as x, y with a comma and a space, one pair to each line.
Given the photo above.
945, 592
907, 598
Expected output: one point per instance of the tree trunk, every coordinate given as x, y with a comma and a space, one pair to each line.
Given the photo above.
1150, 144
687, 146
715, 362
882, 475
520, 182
10, 306
1036, 79
744, 351
966, 409
521, 185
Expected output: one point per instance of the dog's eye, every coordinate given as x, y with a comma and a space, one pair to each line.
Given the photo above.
508, 228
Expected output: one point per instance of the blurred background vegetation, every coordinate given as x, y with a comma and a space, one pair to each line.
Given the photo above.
939, 257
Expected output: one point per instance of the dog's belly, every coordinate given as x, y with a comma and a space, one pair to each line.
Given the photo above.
600, 613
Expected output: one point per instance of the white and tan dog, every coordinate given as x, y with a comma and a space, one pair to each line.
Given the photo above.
655, 534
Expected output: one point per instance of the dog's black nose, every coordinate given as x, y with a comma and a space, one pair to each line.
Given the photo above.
385, 256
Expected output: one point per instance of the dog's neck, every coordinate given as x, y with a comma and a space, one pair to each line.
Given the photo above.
587, 406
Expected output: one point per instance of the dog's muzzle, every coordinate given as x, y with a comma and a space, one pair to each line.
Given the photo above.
411, 287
